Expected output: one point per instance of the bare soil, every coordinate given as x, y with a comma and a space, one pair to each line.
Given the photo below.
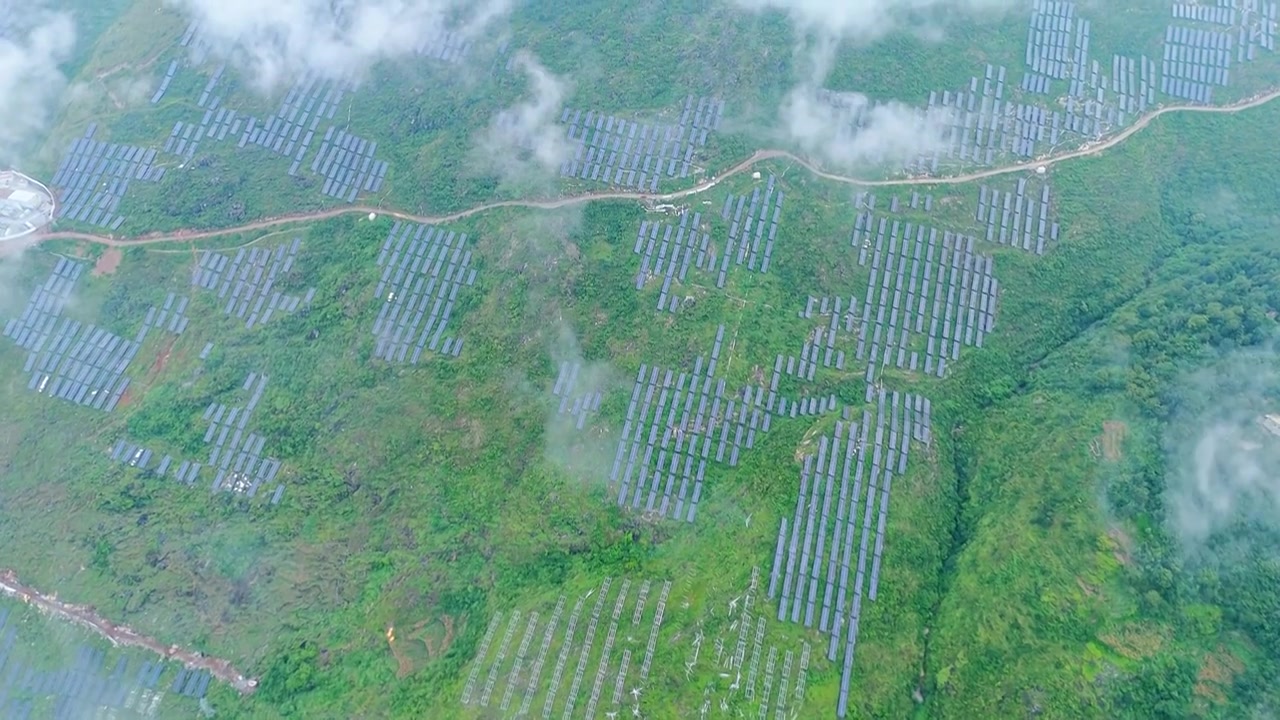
1113, 432
89, 618
109, 262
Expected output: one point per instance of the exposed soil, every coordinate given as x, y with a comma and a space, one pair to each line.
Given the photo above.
1217, 674
87, 617
162, 359
109, 262
1113, 432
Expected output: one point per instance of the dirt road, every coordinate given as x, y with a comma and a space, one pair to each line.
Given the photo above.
756, 158
88, 618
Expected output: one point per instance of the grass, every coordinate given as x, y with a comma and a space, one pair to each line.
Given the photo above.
447, 490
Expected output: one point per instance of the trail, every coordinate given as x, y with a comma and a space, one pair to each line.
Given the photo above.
88, 618
757, 157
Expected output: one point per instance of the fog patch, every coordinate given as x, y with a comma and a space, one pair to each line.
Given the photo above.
525, 143
1223, 448
277, 42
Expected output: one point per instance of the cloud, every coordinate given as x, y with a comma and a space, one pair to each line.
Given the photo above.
526, 140
870, 19
860, 132
32, 44
585, 455
849, 130
1224, 451
276, 42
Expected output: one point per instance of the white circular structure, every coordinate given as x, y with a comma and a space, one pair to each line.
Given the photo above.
1041, 170
26, 205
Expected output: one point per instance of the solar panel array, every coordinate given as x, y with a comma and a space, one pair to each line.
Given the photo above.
446, 45
977, 124
133, 455
578, 403
636, 155
191, 34
806, 593
674, 255
820, 345
660, 447
504, 57
964, 314
209, 87
86, 686
83, 364
1256, 26
1195, 60
191, 683
345, 161
759, 212
1134, 85
421, 265
171, 316
94, 177
288, 129
250, 278
1057, 41
592, 659
1223, 14
237, 452
1017, 215
164, 83
347, 164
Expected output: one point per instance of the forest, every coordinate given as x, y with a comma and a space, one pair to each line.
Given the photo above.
1091, 532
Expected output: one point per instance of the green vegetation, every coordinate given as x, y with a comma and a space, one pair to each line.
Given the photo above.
1037, 560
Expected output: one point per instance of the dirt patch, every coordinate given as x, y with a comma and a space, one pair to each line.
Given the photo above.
1122, 545
108, 262
87, 617
1217, 673
162, 360
426, 641
1135, 642
126, 399
1113, 432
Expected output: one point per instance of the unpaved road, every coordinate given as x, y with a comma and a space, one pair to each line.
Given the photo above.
756, 158
88, 618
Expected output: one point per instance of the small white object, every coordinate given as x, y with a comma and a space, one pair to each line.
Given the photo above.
1040, 170
755, 175
373, 216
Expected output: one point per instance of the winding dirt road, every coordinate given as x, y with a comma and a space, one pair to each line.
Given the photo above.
88, 618
569, 201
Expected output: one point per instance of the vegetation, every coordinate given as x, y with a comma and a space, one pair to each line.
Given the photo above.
1036, 560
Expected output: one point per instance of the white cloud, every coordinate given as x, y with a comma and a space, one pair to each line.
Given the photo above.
275, 42
849, 130
1224, 455
886, 133
526, 139
32, 44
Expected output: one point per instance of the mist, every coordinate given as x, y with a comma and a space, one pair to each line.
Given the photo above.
274, 43
861, 133
584, 455
33, 42
1224, 460
525, 142
848, 130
